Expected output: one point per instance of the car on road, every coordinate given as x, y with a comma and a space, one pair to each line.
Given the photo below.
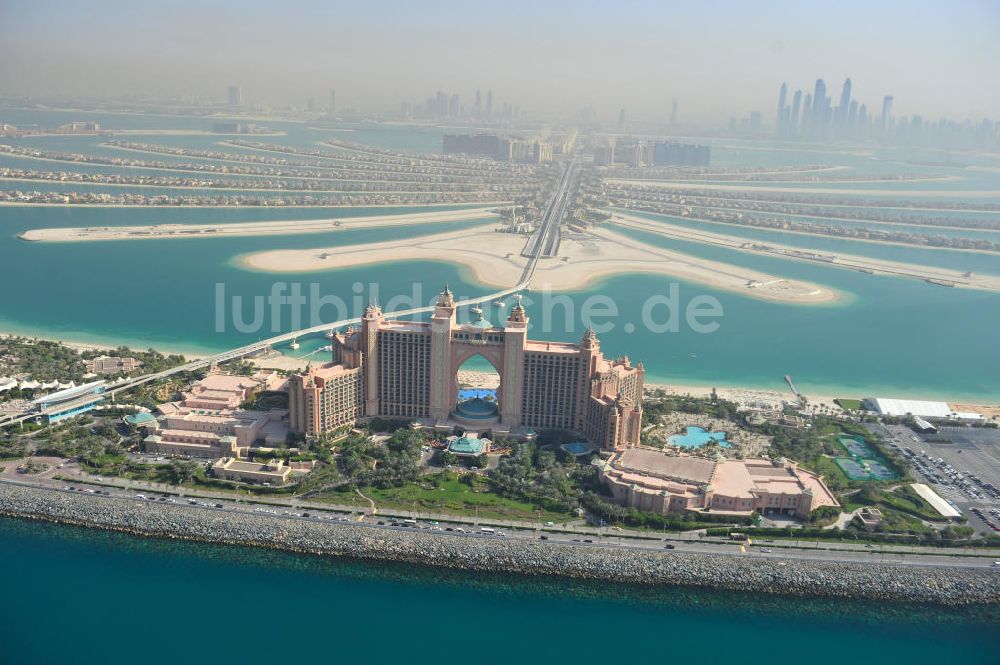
669, 546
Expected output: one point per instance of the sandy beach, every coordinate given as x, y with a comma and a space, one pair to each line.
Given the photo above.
82, 345
762, 398
736, 178
185, 132
746, 396
328, 206
279, 227
495, 259
764, 187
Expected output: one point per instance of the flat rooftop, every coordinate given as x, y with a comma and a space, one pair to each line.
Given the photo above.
656, 463
538, 346
936, 501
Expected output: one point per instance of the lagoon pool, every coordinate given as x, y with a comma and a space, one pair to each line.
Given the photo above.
473, 393
696, 437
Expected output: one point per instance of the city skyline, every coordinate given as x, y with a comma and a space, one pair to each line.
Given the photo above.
852, 119
542, 60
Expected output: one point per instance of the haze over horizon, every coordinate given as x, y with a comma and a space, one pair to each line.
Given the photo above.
552, 59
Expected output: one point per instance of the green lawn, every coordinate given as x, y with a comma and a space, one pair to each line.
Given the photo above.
444, 493
906, 500
848, 403
833, 475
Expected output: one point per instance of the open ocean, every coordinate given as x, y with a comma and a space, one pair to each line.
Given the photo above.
82, 596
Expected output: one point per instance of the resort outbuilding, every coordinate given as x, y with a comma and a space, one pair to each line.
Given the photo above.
649, 479
468, 445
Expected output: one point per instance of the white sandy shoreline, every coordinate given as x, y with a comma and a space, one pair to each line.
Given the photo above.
494, 259
763, 187
234, 229
725, 389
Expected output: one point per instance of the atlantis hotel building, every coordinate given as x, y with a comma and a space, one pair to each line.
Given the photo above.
408, 369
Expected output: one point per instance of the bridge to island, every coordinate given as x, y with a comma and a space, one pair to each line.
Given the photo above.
543, 243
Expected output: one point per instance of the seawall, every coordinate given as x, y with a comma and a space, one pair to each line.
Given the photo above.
873, 581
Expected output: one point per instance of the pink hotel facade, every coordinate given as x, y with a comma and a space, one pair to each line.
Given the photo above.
407, 369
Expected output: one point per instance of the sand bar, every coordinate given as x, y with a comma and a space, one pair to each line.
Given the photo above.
764, 187
942, 276
495, 260
280, 227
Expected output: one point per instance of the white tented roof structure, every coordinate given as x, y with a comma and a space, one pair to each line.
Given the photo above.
933, 498
902, 407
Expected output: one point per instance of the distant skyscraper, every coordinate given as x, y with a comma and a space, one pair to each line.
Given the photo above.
234, 95
807, 103
861, 124
621, 118
780, 120
489, 103
479, 103
886, 113
755, 122
440, 104
845, 99
454, 106
333, 101
820, 104
793, 119
311, 104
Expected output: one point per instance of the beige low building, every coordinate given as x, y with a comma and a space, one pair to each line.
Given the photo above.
112, 365
209, 413
274, 472
651, 480
194, 444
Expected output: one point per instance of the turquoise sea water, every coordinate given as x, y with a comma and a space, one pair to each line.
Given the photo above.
978, 262
93, 597
887, 336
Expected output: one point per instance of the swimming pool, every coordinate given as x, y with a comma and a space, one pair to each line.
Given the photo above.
472, 393
696, 437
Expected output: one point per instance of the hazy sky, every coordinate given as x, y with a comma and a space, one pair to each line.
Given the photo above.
718, 58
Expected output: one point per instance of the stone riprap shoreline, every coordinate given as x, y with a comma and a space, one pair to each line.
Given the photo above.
874, 581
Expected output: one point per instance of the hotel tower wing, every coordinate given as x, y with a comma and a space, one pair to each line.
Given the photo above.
408, 369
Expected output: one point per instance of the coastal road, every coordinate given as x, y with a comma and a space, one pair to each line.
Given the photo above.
445, 529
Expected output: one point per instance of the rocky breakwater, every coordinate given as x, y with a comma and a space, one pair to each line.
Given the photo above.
870, 580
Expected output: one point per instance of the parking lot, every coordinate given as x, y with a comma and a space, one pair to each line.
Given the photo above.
965, 470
